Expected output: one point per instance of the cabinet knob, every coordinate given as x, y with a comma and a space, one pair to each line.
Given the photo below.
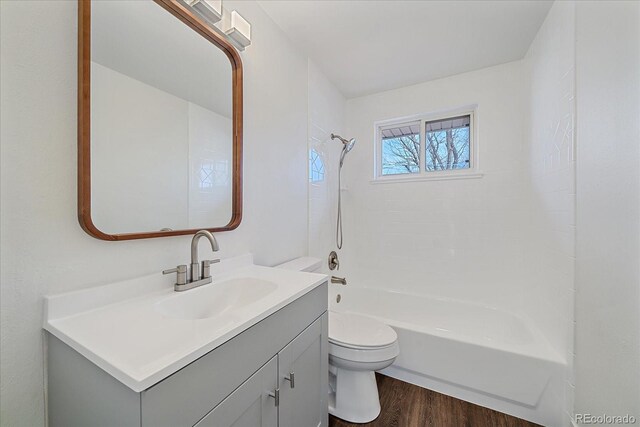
292, 379
276, 396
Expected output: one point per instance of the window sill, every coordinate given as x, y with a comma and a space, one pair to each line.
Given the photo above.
425, 177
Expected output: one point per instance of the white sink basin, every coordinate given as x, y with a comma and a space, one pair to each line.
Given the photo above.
141, 331
215, 299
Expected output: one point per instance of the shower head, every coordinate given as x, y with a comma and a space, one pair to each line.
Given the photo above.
347, 146
348, 143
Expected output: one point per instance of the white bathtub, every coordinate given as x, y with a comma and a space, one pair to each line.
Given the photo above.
476, 353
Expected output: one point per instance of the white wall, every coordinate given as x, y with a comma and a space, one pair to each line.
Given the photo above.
210, 147
326, 116
608, 208
159, 143
462, 239
144, 133
550, 121
43, 248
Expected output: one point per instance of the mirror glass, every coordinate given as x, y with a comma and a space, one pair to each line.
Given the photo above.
161, 122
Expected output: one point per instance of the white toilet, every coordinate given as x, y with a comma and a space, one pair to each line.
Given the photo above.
358, 346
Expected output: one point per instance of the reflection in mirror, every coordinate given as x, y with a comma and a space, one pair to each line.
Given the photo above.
161, 122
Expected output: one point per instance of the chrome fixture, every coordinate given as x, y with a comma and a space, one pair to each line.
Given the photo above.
341, 280
195, 266
276, 396
181, 279
195, 278
347, 145
292, 379
334, 262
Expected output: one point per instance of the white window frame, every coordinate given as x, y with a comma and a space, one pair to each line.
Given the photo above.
423, 175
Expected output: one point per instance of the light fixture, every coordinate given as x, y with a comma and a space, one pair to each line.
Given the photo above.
239, 30
211, 10
228, 24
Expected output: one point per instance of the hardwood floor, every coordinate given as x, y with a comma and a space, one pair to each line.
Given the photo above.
407, 405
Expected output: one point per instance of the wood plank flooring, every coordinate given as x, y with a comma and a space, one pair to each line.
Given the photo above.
407, 405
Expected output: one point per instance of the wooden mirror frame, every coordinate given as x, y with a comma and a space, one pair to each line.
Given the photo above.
181, 12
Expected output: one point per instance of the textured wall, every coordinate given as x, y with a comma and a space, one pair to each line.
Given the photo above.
550, 121
607, 361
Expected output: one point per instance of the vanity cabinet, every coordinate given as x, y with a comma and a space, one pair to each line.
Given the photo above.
274, 373
283, 393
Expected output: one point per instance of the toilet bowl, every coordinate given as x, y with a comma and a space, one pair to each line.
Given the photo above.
358, 346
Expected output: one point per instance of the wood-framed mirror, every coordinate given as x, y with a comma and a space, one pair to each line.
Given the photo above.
159, 122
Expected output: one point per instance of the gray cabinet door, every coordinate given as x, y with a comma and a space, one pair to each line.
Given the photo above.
303, 403
250, 405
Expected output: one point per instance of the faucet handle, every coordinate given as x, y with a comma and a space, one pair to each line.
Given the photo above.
334, 262
181, 276
206, 267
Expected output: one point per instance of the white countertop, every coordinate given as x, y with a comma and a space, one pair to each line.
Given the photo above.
119, 328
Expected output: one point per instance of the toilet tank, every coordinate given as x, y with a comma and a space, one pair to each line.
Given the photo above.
308, 264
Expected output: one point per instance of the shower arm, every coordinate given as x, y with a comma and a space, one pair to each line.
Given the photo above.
344, 141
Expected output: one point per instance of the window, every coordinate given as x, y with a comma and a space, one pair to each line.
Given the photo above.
316, 166
427, 147
447, 145
401, 149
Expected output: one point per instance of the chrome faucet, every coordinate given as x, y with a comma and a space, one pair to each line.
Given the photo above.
196, 278
195, 266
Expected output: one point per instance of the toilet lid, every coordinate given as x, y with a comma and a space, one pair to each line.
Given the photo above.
353, 330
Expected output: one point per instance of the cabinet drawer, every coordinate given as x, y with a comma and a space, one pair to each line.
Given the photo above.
185, 397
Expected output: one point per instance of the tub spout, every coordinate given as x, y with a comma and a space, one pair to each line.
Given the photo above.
341, 280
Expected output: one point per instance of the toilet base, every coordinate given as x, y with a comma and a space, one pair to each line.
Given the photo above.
354, 395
